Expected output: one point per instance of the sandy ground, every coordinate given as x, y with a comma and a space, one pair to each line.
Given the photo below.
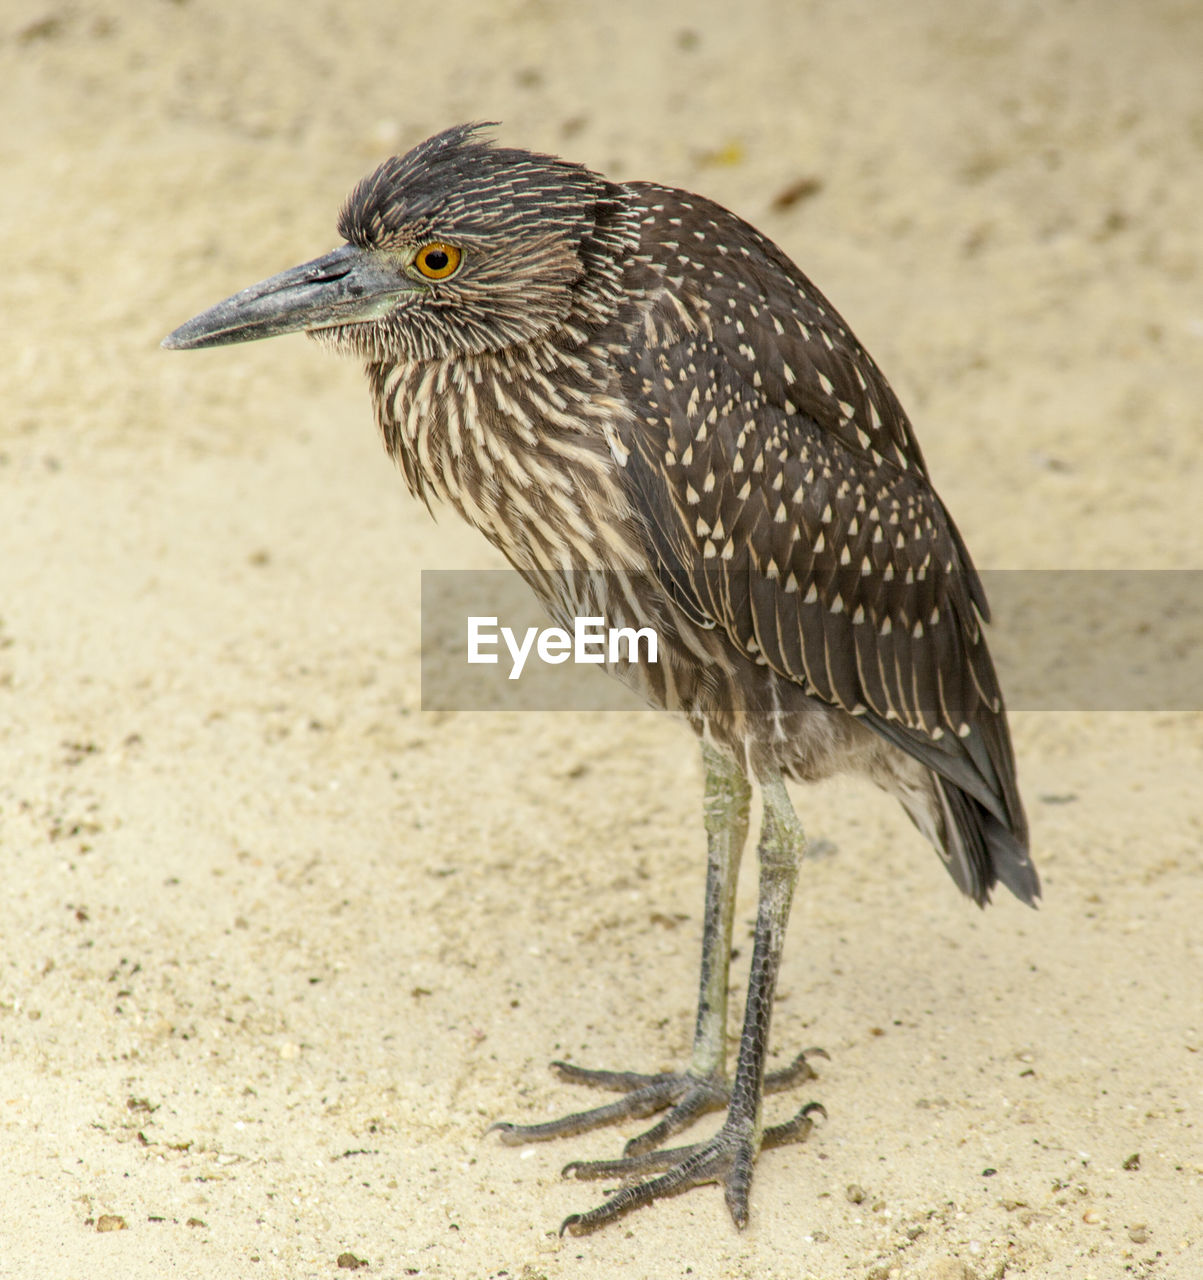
277, 945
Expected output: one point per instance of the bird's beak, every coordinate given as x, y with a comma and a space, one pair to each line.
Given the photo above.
348, 286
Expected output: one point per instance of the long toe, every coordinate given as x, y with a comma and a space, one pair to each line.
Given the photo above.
795, 1130
682, 1094
728, 1159
627, 1168
614, 1081
644, 1095
708, 1162
699, 1098
798, 1071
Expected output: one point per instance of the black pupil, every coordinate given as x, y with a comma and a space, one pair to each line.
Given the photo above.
436, 259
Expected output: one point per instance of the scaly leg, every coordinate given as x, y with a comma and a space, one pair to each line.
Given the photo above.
704, 1085
728, 1157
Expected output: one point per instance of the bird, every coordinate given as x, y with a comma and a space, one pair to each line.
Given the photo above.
658, 419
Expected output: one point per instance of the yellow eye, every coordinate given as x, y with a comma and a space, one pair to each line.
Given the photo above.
437, 261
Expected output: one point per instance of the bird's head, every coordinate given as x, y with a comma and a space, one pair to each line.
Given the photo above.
457, 247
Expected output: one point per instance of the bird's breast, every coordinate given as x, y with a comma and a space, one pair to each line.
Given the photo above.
529, 459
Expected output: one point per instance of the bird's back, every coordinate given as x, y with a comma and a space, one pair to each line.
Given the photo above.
788, 504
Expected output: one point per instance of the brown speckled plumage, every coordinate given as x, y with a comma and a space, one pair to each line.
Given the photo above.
656, 417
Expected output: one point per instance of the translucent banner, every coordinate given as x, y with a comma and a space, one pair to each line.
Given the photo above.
1062, 640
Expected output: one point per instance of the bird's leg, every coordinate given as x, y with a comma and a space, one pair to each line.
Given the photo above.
703, 1086
728, 1157
726, 805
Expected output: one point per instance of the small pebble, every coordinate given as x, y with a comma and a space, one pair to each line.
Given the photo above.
111, 1222
800, 189
1138, 1233
855, 1193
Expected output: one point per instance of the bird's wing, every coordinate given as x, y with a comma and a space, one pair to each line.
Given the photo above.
785, 501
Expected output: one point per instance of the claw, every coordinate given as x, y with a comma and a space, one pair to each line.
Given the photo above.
683, 1096
794, 1130
727, 1158
630, 1166
635, 1106
797, 1072
616, 1081
643, 1095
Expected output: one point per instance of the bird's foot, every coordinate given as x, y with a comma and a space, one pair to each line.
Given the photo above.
727, 1158
685, 1095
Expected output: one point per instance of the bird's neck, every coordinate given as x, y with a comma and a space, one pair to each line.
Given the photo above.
521, 442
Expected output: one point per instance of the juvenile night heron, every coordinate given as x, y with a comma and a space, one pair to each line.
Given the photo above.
659, 420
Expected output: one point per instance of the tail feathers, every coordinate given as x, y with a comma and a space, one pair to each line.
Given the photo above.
980, 850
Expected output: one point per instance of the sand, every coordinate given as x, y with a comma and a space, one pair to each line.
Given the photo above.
277, 945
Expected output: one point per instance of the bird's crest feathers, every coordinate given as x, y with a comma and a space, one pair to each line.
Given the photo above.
460, 182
